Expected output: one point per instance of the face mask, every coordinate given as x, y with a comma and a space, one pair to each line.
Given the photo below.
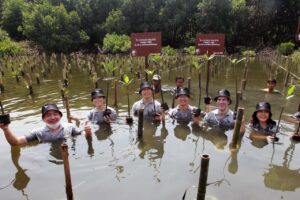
53, 126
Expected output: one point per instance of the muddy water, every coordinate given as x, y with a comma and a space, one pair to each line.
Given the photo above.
115, 164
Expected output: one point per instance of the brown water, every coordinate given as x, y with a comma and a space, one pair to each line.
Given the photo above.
115, 164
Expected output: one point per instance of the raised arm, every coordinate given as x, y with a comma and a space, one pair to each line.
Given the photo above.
11, 138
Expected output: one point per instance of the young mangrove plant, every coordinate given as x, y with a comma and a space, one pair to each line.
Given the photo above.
126, 81
109, 68
207, 58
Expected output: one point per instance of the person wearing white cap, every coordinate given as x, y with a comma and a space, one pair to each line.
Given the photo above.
156, 83
53, 130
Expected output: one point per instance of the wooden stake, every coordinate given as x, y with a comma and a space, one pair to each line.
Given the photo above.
237, 127
65, 154
140, 123
203, 177
66, 101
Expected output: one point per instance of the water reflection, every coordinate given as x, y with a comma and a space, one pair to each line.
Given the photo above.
21, 178
217, 136
151, 144
282, 177
182, 130
258, 139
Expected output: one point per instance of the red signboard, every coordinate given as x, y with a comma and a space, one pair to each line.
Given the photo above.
143, 44
210, 43
298, 32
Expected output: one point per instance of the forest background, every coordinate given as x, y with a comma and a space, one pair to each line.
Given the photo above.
85, 25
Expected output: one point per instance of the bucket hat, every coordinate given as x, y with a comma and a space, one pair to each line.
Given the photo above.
183, 91
97, 93
145, 85
223, 93
50, 106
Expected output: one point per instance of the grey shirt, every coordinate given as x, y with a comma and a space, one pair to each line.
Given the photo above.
148, 108
213, 119
96, 116
44, 134
180, 115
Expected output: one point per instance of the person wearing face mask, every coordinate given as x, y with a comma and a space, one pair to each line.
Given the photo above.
53, 130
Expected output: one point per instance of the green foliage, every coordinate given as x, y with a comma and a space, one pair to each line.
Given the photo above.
296, 56
285, 48
168, 51
126, 80
248, 53
54, 28
110, 66
12, 17
115, 22
290, 91
114, 43
7, 46
191, 50
69, 25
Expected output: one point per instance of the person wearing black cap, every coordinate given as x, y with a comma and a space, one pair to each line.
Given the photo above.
152, 108
54, 130
184, 112
101, 113
262, 119
222, 116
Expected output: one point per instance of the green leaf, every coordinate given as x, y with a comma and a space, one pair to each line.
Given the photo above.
290, 91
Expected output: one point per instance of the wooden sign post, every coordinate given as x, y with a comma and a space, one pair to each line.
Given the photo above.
210, 43
143, 44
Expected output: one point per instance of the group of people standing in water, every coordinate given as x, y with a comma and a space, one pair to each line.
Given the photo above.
222, 116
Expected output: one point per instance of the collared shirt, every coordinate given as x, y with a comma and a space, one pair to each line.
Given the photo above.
182, 115
96, 116
44, 134
213, 119
149, 108
269, 130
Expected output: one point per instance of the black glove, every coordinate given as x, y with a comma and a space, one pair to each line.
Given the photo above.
196, 112
5, 119
207, 100
107, 113
165, 106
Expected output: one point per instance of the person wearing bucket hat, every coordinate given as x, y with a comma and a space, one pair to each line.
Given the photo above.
100, 113
262, 119
184, 112
152, 108
222, 116
53, 130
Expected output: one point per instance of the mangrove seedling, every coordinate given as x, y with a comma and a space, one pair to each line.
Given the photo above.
126, 81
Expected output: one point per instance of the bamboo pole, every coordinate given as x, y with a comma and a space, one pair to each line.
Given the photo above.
140, 123
203, 177
116, 93
237, 126
65, 154
189, 83
66, 101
